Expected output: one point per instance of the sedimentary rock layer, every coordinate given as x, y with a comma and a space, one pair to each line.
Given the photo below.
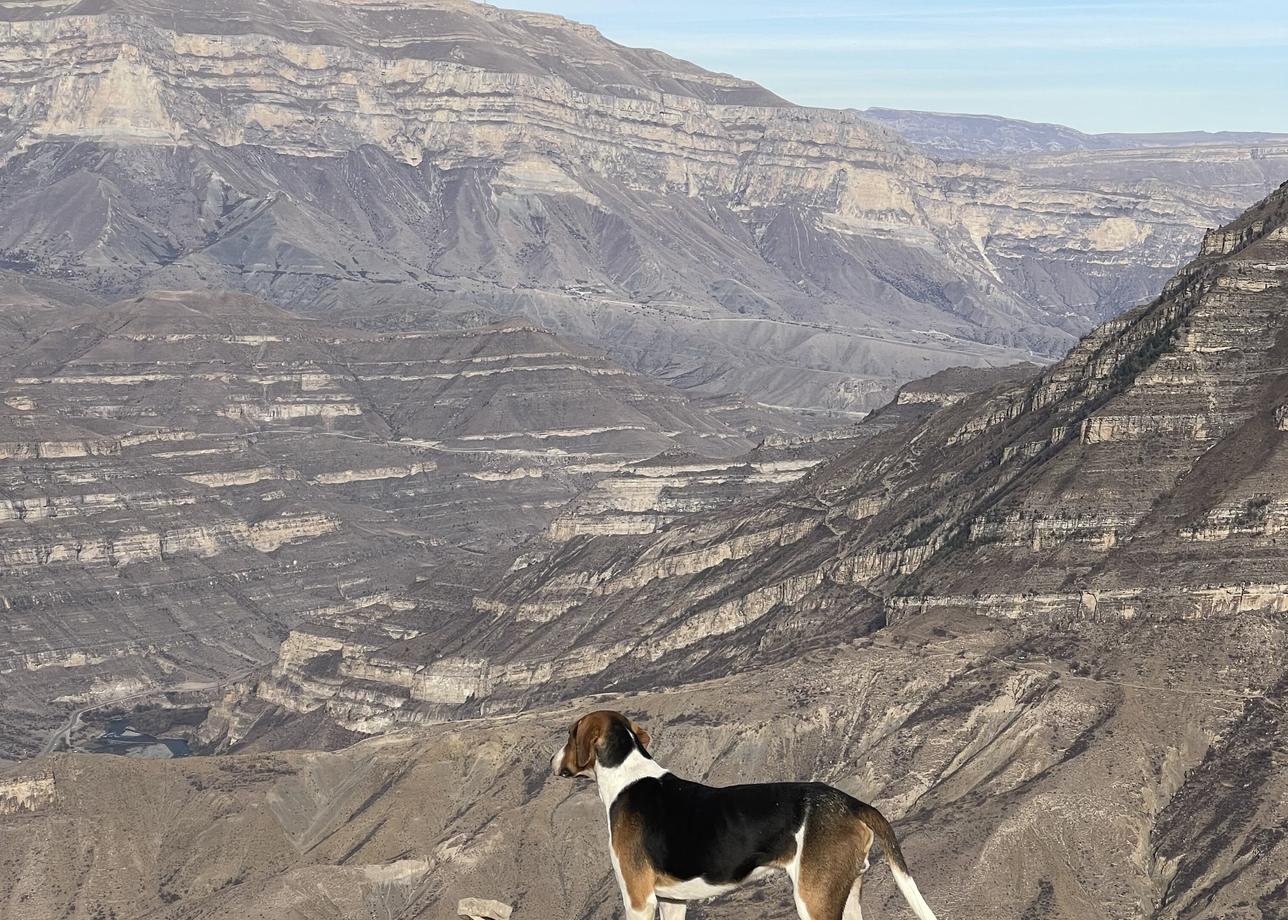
185, 476
423, 163
1139, 479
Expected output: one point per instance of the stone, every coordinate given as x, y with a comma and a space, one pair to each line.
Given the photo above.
480, 909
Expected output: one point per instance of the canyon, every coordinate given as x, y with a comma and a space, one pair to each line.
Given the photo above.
184, 476
1019, 614
1037, 618
442, 163
387, 383
1137, 479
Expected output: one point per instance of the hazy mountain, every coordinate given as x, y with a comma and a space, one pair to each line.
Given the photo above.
962, 136
443, 163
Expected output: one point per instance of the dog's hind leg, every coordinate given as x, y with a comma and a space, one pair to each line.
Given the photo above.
673, 910
853, 905
828, 868
853, 909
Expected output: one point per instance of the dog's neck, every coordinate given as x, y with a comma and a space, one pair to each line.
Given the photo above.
612, 780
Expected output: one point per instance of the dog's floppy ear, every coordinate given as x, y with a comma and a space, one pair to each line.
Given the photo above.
588, 731
642, 734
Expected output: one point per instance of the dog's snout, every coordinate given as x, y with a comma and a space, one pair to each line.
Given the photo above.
564, 771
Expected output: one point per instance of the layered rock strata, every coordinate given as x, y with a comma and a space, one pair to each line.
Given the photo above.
183, 477
429, 163
1138, 479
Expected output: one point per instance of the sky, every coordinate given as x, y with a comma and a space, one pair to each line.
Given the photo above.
1130, 65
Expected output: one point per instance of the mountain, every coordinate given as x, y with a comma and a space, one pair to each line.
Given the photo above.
184, 476
961, 136
1018, 617
1137, 478
438, 164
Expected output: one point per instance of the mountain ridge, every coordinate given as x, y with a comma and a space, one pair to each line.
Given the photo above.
954, 134
792, 256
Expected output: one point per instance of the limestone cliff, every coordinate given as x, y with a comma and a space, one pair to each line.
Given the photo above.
425, 162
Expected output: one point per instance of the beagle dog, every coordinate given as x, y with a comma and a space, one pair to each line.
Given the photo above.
673, 840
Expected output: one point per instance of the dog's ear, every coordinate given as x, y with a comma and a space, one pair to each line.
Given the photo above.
642, 734
588, 732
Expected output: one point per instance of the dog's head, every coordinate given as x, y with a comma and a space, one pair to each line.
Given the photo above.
603, 738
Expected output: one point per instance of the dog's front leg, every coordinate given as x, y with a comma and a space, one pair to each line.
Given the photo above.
637, 894
673, 910
646, 911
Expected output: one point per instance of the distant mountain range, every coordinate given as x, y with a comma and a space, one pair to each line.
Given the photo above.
442, 163
959, 136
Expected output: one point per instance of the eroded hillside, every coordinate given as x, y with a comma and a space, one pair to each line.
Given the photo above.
432, 163
185, 476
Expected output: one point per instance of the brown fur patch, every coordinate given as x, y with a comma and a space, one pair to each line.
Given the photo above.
835, 849
638, 874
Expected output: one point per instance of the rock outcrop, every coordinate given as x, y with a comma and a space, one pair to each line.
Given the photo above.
483, 909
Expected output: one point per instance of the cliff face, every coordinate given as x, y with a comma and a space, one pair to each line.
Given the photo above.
183, 477
425, 162
1138, 479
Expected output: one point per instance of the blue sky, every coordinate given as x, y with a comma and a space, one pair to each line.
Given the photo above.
1131, 65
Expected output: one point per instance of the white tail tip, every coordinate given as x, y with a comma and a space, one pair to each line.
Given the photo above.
908, 888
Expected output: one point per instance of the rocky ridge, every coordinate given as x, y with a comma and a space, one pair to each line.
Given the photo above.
438, 163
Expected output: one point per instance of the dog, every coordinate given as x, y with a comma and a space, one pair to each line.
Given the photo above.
673, 841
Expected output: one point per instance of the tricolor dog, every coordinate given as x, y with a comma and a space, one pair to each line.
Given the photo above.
673, 840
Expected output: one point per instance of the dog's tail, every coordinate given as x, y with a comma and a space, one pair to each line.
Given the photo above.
884, 833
